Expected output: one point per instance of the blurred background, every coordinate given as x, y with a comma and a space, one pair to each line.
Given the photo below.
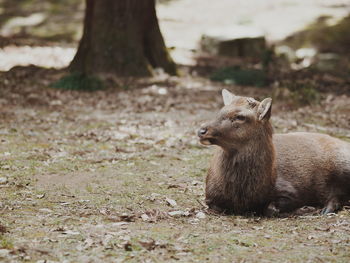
280, 37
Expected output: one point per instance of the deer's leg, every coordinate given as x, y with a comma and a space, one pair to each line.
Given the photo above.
219, 206
281, 205
287, 198
339, 193
287, 204
333, 205
271, 210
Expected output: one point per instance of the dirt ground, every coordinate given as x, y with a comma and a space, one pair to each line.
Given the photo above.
117, 175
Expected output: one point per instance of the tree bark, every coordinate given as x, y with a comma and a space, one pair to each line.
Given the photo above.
121, 37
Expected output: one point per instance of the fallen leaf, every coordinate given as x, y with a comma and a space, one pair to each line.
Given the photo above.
59, 229
120, 224
127, 217
178, 213
2, 229
148, 244
127, 246
70, 232
88, 243
155, 215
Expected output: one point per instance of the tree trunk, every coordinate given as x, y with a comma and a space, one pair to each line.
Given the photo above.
121, 37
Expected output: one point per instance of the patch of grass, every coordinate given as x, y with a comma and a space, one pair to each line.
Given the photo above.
5, 243
303, 93
237, 75
89, 188
79, 81
298, 94
238, 242
344, 138
324, 36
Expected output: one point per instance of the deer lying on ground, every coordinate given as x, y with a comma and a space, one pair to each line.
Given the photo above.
254, 171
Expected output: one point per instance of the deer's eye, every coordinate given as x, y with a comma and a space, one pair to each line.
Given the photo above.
238, 118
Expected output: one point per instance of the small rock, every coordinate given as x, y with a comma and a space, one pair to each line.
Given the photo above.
120, 224
4, 253
144, 217
162, 91
200, 215
182, 254
40, 196
70, 232
3, 180
45, 210
154, 196
176, 213
186, 213
56, 103
171, 202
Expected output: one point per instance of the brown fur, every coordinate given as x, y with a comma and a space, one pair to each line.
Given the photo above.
238, 183
313, 169
253, 171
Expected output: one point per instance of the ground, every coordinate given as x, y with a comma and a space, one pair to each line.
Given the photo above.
95, 177
117, 175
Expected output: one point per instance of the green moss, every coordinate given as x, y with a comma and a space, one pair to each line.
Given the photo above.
79, 81
5, 243
244, 77
303, 93
325, 37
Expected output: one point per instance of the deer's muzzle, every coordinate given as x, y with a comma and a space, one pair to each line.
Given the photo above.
206, 134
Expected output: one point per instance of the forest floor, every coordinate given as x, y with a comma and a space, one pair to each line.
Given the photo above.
118, 176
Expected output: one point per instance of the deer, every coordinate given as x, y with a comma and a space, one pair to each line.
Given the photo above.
254, 171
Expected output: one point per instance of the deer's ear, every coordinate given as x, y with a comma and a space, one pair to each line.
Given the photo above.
227, 96
264, 109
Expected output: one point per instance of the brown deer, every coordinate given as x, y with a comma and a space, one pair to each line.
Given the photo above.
254, 171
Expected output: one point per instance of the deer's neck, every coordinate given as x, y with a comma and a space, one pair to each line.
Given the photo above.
249, 173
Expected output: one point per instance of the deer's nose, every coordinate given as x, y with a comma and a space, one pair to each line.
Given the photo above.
202, 131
